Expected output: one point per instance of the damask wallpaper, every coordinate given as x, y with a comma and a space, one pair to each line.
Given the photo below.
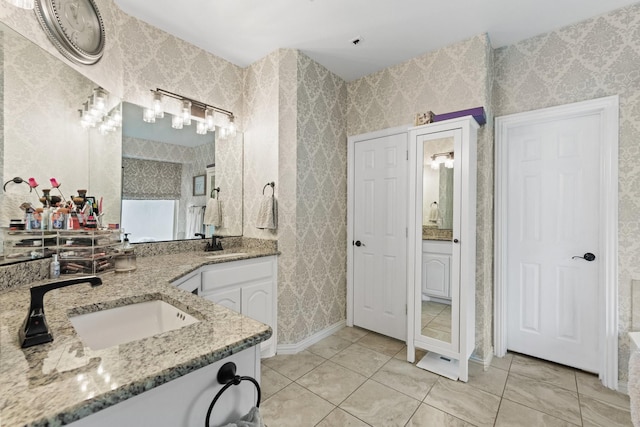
296, 131
297, 115
453, 78
592, 59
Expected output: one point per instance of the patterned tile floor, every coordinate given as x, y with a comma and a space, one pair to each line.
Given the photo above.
359, 378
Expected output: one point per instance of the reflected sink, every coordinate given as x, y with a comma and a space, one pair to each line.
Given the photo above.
107, 328
225, 255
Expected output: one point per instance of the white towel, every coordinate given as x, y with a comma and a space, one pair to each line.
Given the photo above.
268, 213
434, 213
634, 387
194, 221
213, 213
252, 419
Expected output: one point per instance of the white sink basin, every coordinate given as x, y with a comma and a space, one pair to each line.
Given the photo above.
107, 328
225, 255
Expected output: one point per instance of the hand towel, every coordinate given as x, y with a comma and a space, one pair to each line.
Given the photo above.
434, 213
194, 221
267, 213
252, 419
213, 213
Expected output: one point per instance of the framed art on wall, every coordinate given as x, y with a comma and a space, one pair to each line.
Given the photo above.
199, 185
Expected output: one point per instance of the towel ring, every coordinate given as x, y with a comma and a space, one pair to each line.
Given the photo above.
227, 375
216, 190
273, 187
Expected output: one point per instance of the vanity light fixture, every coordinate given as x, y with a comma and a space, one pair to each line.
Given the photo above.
94, 112
190, 109
23, 4
442, 158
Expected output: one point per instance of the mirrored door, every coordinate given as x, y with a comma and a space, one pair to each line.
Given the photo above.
437, 311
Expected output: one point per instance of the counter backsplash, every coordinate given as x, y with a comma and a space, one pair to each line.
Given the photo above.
14, 275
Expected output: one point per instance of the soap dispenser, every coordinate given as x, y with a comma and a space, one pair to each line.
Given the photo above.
54, 268
126, 259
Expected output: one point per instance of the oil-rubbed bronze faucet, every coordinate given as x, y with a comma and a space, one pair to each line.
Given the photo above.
215, 244
34, 329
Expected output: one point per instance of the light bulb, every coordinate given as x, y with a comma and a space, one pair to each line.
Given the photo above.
209, 120
186, 113
176, 122
231, 128
201, 128
157, 105
148, 115
24, 4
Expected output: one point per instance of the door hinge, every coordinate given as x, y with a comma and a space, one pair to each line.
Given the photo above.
406, 234
406, 309
407, 154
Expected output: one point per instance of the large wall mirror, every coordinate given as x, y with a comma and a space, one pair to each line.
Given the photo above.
437, 228
170, 174
41, 137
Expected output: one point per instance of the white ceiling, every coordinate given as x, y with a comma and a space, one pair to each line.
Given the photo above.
392, 31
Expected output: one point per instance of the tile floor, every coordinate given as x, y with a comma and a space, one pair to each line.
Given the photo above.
359, 378
436, 320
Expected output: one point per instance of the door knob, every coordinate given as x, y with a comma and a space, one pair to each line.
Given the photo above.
587, 257
358, 243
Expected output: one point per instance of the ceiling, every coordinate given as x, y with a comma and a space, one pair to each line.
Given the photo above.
391, 31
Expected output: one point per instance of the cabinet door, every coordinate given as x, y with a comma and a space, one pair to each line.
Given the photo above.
229, 298
436, 275
257, 302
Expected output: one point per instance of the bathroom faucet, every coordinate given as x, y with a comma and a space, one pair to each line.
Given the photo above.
34, 329
214, 245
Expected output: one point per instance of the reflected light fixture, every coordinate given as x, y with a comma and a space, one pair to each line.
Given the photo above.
445, 159
23, 4
176, 122
148, 115
94, 112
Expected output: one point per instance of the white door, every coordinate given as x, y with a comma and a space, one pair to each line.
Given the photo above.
380, 235
553, 190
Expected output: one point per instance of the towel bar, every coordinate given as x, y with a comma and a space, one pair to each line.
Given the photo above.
227, 376
269, 184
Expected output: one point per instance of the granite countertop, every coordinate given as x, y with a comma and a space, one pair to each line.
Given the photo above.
434, 233
62, 381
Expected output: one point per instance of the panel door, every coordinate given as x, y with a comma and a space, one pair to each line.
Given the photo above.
553, 216
229, 298
380, 233
436, 270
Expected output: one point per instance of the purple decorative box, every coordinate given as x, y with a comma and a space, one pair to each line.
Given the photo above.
477, 113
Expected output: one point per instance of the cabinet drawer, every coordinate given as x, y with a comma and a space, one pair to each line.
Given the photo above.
236, 273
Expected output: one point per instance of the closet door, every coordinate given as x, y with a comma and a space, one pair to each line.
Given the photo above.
380, 235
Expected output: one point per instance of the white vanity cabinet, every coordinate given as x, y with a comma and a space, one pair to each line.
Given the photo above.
184, 401
436, 270
247, 286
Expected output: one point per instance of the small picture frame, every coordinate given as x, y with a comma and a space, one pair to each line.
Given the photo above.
199, 182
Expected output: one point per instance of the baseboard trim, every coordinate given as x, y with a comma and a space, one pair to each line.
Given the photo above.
484, 362
623, 387
309, 341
